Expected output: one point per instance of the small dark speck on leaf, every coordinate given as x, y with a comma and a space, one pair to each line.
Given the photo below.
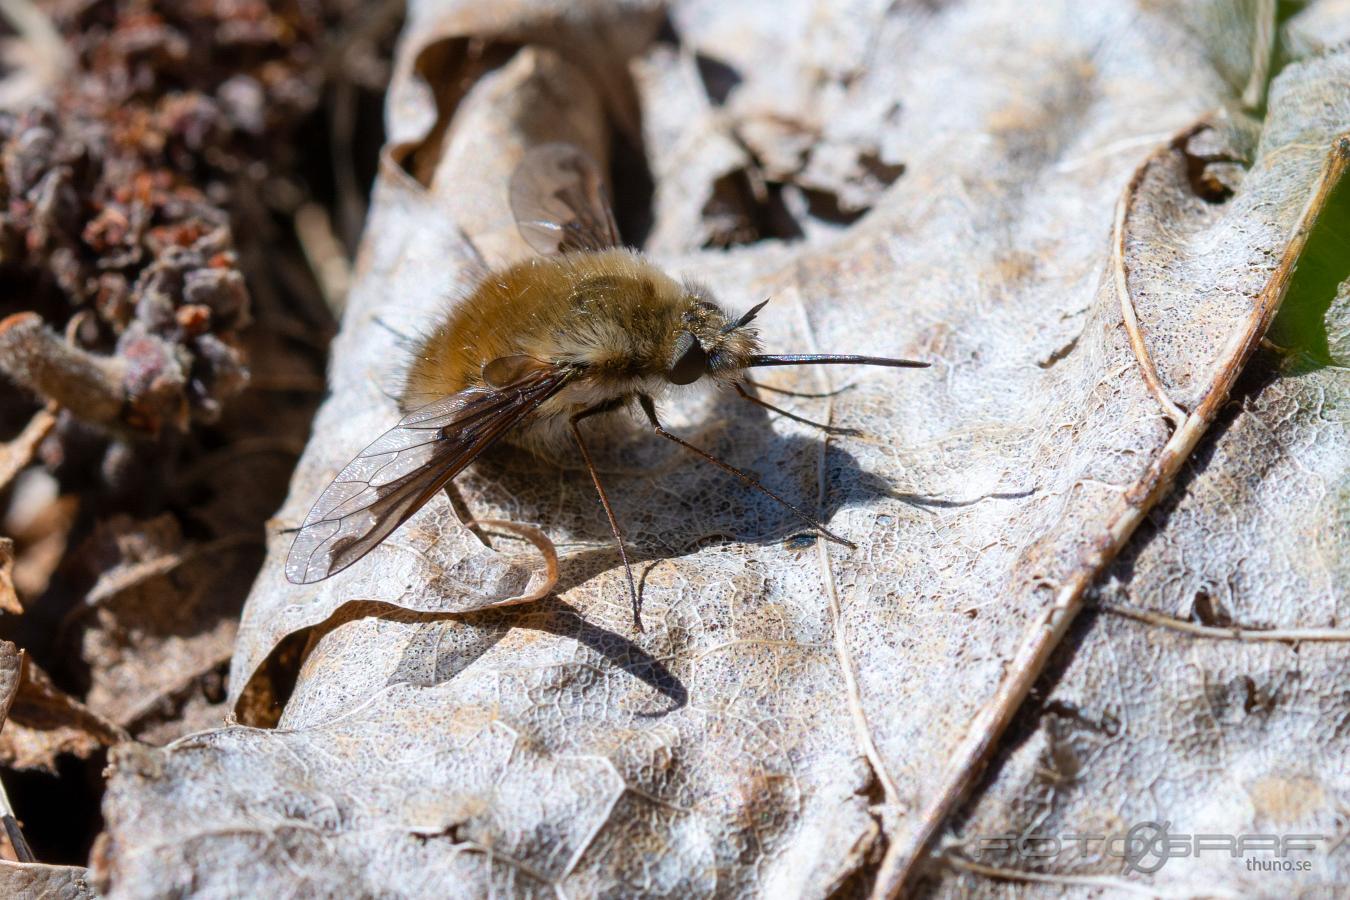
719, 79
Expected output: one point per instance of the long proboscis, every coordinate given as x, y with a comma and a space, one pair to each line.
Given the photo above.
805, 359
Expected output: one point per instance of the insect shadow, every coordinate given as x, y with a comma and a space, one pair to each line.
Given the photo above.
670, 503
445, 644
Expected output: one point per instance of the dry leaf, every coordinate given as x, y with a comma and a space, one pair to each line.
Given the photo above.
35, 881
158, 617
9, 599
11, 672
13, 845
39, 520
1210, 690
44, 722
797, 719
199, 705
17, 453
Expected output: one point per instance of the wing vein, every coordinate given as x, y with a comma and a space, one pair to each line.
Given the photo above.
372, 496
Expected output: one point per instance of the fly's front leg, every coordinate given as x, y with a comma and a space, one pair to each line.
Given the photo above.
649, 407
828, 429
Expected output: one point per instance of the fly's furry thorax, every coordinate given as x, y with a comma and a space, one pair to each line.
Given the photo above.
619, 323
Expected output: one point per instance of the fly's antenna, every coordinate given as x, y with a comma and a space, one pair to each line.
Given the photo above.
747, 318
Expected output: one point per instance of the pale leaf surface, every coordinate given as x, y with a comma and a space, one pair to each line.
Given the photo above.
793, 710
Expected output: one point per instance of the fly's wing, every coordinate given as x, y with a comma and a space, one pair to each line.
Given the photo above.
404, 468
558, 198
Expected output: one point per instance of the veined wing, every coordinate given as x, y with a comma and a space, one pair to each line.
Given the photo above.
391, 479
559, 201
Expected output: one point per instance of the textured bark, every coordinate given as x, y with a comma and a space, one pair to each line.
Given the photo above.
1089, 215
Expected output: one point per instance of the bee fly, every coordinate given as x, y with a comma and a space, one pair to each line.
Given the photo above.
587, 328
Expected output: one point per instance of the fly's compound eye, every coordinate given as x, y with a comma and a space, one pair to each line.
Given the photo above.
691, 361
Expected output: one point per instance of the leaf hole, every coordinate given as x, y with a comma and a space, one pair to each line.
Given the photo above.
450, 68
632, 186
1109, 725
1255, 701
1212, 170
825, 205
1207, 610
719, 79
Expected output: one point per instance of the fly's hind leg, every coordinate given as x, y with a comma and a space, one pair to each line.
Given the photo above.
462, 512
574, 421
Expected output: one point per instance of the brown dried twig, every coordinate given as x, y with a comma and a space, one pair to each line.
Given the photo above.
1231, 632
36, 357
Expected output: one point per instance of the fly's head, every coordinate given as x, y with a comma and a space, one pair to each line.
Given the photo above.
709, 342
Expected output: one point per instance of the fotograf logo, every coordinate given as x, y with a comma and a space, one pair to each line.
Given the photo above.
1145, 847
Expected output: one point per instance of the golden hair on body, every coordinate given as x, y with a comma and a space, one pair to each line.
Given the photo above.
536, 349
608, 313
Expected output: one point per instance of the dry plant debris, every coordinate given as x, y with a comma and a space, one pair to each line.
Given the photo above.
1091, 217
1101, 569
162, 342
